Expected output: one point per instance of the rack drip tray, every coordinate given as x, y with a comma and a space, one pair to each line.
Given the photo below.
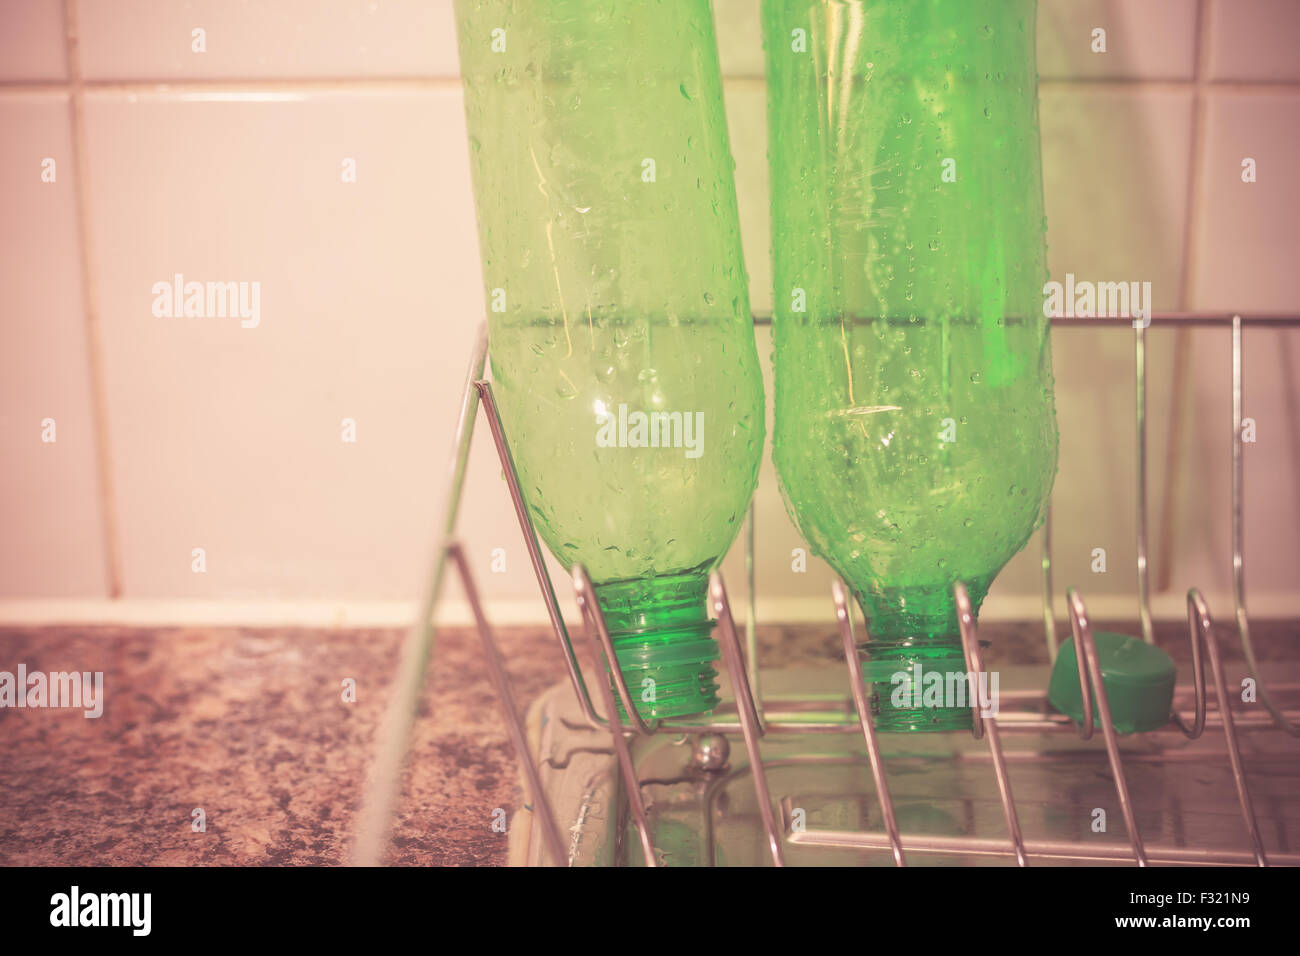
702, 807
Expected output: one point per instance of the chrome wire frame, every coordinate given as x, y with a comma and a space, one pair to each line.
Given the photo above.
743, 671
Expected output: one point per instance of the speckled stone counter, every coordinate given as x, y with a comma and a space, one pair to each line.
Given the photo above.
251, 727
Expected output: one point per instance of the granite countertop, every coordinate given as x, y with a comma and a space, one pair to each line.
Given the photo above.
251, 726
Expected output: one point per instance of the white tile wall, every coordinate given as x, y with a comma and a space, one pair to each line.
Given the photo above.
226, 165
1144, 39
31, 40
1246, 238
231, 438
1247, 44
156, 39
53, 527
740, 37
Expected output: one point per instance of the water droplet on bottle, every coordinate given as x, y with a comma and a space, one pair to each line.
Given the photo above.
975, 378
934, 245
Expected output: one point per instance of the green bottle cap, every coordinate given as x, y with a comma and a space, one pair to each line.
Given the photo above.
1139, 680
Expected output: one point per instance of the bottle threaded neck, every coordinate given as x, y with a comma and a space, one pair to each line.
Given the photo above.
917, 686
913, 664
663, 642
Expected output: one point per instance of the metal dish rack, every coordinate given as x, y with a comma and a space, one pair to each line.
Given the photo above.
745, 714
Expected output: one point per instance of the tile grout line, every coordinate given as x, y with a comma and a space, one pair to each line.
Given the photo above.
89, 287
344, 84
326, 83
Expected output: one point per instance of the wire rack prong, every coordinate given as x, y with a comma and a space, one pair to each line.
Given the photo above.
975, 665
488, 403
1140, 404
750, 723
1239, 533
1200, 630
844, 617
607, 661
506, 698
729, 643
594, 618
385, 772
1086, 658
1202, 627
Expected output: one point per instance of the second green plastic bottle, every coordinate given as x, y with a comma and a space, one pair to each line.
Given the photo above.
915, 425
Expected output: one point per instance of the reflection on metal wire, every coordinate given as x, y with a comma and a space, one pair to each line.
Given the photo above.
1238, 538
844, 616
1086, 657
606, 661
501, 684
1140, 401
1202, 628
750, 724
986, 726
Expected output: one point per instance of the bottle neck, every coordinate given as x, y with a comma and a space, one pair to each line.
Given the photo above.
916, 614
663, 641
914, 656
655, 606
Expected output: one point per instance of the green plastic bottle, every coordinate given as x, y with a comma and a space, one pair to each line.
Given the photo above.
916, 433
621, 339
